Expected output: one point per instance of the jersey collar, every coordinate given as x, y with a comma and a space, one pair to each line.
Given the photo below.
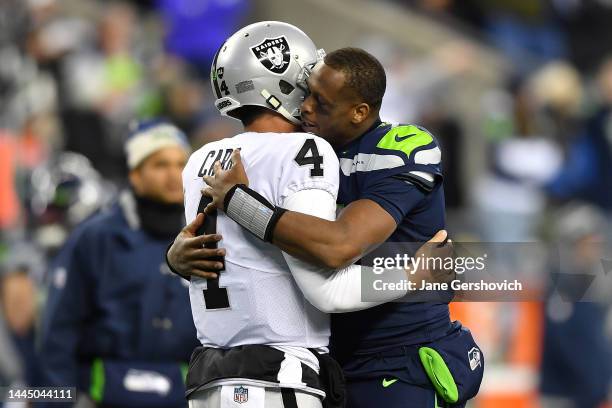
349, 145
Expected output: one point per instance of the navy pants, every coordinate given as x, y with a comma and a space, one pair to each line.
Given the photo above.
396, 377
396, 394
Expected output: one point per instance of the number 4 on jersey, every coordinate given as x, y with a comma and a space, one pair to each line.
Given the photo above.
309, 155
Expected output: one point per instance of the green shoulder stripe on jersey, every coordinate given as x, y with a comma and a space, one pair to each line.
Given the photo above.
439, 374
405, 138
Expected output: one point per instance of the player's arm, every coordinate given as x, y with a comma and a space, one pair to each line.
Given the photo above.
339, 290
385, 200
329, 290
361, 226
333, 244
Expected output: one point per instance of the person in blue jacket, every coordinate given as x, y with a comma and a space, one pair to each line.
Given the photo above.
117, 324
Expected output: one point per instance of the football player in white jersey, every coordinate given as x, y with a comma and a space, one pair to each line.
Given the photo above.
262, 321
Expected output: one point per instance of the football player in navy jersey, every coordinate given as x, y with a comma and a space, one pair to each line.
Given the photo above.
397, 354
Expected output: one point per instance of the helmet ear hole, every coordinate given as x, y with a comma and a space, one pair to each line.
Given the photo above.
285, 87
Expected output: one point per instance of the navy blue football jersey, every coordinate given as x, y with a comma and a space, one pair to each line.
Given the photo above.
399, 168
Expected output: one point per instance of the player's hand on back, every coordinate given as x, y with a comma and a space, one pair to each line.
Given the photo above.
440, 247
187, 255
223, 180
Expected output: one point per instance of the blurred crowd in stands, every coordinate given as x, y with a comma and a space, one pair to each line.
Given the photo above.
75, 73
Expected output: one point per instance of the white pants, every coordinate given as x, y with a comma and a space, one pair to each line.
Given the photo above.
248, 396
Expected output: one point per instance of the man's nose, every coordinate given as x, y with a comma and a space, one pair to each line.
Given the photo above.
307, 105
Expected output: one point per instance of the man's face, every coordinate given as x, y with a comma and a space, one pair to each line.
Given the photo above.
329, 108
158, 177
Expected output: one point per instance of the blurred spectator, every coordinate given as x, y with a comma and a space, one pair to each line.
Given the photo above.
19, 285
577, 353
542, 114
103, 80
117, 323
587, 171
58, 194
11, 365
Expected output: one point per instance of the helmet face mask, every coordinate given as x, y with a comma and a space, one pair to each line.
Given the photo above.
306, 70
264, 64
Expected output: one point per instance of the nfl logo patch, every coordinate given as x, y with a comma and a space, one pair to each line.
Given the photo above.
241, 395
274, 54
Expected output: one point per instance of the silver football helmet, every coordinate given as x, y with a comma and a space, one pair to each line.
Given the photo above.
264, 64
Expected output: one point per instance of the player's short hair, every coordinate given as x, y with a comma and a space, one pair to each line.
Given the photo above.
364, 73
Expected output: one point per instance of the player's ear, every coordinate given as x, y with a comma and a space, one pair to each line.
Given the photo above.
360, 113
136, 180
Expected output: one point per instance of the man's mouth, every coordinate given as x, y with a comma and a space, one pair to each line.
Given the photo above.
308, 126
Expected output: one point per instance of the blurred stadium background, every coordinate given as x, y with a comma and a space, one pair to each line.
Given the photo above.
517, 91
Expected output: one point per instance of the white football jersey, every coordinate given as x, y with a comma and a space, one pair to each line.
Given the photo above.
257, 300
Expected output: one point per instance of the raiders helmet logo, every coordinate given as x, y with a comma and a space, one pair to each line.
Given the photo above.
274, 54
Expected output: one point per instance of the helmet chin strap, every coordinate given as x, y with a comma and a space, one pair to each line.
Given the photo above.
273, 102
